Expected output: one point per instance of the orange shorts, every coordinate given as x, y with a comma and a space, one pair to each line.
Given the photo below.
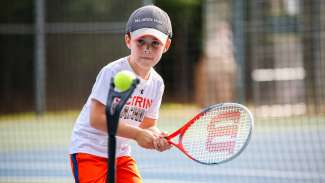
93, 169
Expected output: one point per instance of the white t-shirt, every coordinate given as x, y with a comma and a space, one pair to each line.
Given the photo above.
144, 102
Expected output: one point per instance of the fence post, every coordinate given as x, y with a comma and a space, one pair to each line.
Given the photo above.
39, 57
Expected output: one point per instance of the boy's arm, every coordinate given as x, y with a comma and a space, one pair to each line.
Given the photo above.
150, 124
145, 138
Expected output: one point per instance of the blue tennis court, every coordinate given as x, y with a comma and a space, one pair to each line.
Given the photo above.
277, 153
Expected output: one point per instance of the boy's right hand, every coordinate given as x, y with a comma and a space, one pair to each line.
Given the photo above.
145, 138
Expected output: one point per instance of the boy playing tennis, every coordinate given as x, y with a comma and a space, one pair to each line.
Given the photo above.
148, 36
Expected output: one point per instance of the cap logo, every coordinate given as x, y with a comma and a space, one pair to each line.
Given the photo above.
148, 19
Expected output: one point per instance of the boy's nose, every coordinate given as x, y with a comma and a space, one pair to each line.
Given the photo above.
147, 49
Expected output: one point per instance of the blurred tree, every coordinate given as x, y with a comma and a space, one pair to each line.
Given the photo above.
178, 64
89, 11
16, 11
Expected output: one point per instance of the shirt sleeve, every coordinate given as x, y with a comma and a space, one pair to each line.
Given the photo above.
102, 85
153, 111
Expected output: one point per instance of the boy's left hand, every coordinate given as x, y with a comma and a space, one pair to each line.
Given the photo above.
161, 144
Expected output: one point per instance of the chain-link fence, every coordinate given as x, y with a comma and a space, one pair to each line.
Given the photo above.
266, 54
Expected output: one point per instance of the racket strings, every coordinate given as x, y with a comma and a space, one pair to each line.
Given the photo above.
218, 135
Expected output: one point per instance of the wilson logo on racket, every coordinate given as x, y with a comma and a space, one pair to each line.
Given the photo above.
229, 131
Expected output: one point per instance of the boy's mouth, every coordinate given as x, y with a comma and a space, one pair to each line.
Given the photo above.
146, 58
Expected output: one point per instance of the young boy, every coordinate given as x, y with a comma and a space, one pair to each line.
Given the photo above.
148, 36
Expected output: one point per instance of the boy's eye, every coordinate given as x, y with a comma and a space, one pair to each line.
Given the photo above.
155, 43
141, 42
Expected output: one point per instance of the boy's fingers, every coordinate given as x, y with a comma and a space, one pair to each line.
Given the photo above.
156, 144
166, 144
164, 134
162, 145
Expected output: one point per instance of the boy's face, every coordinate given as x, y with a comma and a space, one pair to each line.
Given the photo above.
146, 51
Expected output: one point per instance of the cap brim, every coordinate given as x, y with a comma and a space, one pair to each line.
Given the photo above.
149, 31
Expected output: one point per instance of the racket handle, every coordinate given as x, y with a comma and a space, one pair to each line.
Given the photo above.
111, 159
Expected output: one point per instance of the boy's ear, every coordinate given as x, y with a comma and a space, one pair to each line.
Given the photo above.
127, 40
167, 45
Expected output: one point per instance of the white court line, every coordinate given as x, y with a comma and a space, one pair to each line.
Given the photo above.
252, 173
53, 166
35, 179
66, 180
62, 180
164, 181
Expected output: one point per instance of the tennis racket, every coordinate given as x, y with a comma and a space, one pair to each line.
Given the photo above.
115, 102
216, 135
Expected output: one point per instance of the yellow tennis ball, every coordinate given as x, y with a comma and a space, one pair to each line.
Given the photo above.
123, 80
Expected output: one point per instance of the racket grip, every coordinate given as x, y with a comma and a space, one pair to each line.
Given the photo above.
111, 159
